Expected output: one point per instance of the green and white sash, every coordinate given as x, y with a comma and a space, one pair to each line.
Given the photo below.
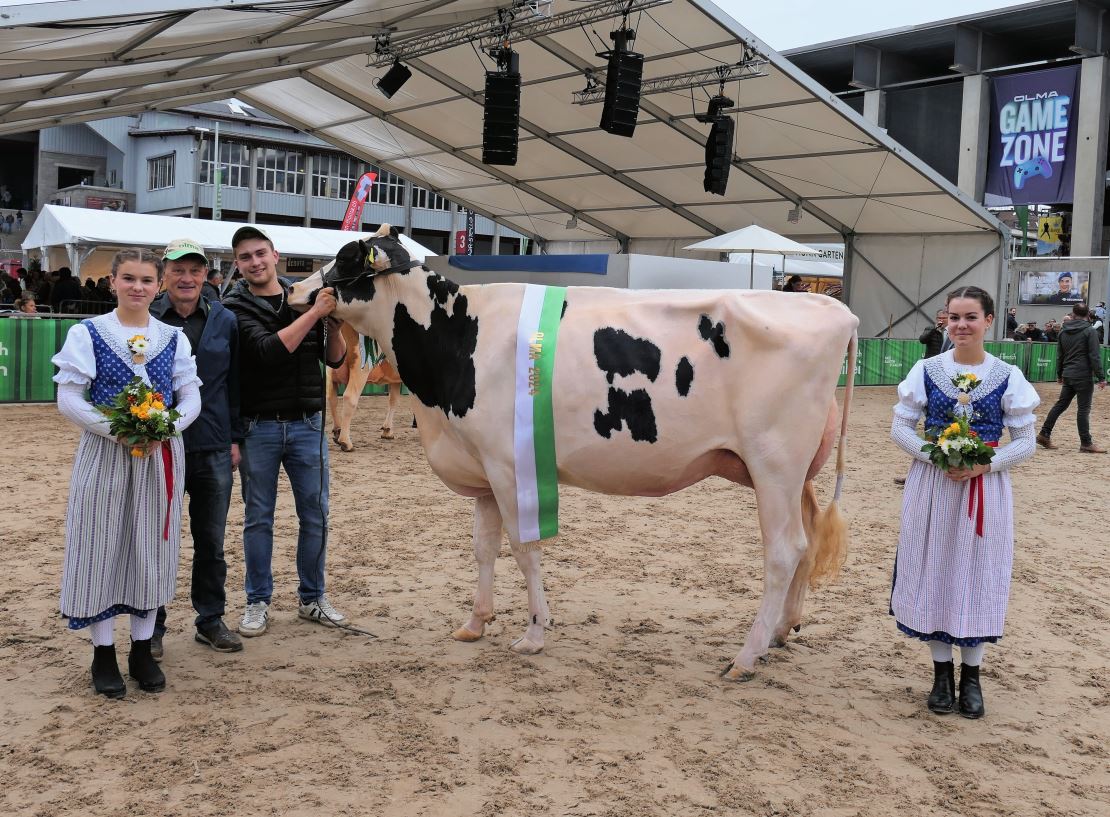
537, 479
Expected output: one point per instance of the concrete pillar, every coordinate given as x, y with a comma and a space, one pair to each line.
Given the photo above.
408, 207
974, 136
308, 159
496, 239
874, 107
1090, 159
252, 186
454, 211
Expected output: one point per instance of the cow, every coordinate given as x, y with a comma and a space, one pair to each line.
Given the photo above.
651, 392
361, 372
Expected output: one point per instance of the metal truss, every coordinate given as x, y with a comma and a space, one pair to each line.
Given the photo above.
524, 19
748, 68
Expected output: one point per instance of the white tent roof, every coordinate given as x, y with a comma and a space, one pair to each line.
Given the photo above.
795, 143
57, 226
753, 238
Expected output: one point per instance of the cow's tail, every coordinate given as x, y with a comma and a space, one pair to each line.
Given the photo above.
829, 528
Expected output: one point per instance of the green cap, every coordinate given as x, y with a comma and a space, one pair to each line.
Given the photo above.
249, 231
182, 247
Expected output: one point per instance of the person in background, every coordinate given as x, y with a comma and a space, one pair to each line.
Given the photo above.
795, 284
27, 306
952, 577
66, 291
1011, 322
213, 285
1078, 367
1033, 334
935, 336
211, 443
1099, 311
1051, 331
19, 219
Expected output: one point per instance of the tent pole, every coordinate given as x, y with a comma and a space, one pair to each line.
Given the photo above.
751, 272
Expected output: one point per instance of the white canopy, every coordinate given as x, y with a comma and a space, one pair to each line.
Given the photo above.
754, 239
58, 226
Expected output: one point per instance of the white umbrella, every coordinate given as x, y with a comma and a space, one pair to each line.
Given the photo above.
753, 239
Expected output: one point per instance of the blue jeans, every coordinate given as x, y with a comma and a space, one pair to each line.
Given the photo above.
294, 445
208, 484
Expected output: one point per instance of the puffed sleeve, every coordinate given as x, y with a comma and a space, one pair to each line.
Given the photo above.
912, 398
184, 364
1019, 400
76, 361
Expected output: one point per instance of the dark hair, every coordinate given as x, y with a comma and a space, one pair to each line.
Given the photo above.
64, 272
137, 254
1079, 310
790, 282
978, 294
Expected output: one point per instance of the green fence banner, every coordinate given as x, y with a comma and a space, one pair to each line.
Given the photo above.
26, 346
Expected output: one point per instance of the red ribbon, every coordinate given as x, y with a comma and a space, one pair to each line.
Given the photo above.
975, 498
167, 469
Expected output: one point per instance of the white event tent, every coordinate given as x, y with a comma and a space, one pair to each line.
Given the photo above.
85, 240
909, 234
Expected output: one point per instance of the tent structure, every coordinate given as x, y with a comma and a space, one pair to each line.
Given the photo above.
86, 239
753, 239
909, 234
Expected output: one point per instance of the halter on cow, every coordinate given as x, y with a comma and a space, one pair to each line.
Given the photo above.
651, 391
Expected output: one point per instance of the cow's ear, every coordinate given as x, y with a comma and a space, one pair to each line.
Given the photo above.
394, 232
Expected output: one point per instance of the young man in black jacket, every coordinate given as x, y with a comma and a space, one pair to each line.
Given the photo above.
281, 403
211, 445
1078, 366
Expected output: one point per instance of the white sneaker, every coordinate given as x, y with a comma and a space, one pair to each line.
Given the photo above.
321, 611
255, 619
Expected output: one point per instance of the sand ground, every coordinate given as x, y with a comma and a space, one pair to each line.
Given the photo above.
622, 715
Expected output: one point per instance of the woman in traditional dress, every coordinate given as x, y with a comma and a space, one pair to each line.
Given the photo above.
123, 522
955, 550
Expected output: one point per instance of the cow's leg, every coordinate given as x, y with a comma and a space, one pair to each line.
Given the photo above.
539, 615
394, 398
779, 499
795, 597
487, 543
349, 405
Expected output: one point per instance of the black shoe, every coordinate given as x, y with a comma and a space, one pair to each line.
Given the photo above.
142, 667
156, 646
105, 673
971, 694
217, 636
942, 698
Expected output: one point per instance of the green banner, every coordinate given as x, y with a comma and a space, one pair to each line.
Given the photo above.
26, 346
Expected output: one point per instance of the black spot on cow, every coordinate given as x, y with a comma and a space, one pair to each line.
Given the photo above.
618, 353
349, 263
437, 362
563, 312
440, 288
715, 333
633, 409
684, 376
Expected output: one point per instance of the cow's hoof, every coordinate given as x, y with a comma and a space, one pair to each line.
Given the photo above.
346, 446
387, 434
778, 642
466, 634
526, 646
733, 672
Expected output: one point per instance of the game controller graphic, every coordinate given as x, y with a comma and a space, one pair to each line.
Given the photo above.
1037, 166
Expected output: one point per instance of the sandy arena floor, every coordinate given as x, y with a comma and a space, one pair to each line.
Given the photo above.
622, 715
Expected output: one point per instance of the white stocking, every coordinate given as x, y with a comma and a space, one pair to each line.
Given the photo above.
972, 656
142, 628
101, 632
941, 652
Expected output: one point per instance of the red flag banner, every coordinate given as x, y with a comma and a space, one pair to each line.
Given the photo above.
353, 217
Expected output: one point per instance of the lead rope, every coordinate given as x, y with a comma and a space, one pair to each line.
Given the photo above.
339, 625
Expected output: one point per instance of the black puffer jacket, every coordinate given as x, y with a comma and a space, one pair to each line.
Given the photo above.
271, 378
1078, 356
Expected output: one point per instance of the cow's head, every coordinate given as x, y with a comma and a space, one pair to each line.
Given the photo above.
353, 272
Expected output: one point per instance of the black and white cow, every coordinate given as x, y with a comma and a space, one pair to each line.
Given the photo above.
652, 391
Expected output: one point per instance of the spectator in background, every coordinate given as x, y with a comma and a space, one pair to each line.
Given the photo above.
27, 306
22, 276
1032, 333
1051, 331
1100, 311
11, 291
9, 221
213, 285
19, 219
935, 336
65, 291
1011, 322
1078, 366
104, 291
795, 284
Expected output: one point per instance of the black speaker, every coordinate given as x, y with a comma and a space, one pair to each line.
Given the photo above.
501, 118
622, 92
394, 78
718, 154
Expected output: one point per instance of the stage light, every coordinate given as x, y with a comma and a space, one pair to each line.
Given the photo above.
718, 147
394, 78
501, 111
622, 85
572, 222
795, 214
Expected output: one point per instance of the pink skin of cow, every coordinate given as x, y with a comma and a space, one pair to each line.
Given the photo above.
764, 416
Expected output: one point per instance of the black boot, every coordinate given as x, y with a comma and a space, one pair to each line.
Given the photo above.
942, 698
105, 673
971, 694
142, 667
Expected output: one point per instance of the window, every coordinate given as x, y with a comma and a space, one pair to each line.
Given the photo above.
334, 177
428, 200
388, 189
159, 172
280, 171
235, 159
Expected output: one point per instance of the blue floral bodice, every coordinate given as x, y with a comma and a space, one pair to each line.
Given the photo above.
113, 373
986, 406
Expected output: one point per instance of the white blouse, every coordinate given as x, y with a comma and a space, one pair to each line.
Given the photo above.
76, 364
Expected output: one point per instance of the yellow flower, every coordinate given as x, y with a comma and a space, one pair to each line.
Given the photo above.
158, 404
135, 410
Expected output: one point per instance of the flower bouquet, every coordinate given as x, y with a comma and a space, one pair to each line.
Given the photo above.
138, 415
957, 445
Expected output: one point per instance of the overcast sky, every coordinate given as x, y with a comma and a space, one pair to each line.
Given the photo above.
784, 24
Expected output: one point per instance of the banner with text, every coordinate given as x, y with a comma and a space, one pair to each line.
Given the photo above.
1034, 126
